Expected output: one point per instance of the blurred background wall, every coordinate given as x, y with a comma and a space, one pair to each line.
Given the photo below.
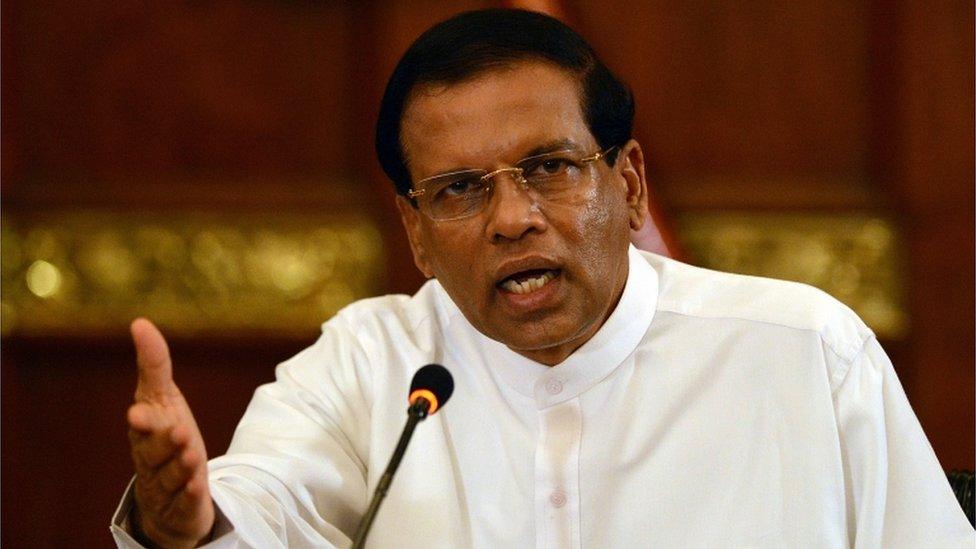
210, 165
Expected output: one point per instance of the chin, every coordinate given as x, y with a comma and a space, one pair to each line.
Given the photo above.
529, 340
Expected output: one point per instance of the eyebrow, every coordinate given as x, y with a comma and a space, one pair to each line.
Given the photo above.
547, 147
553, 146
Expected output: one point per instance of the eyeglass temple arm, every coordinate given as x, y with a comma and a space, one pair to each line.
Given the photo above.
598, 155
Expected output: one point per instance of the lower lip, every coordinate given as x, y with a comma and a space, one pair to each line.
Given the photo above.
534, 299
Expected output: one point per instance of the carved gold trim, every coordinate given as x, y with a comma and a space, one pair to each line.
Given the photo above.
93, 272
856, 257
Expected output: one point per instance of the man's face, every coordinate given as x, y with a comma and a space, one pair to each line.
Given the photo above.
575, 247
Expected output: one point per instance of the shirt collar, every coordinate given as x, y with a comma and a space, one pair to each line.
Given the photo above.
594, 360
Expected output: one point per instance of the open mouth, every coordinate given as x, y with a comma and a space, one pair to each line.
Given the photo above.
525, 282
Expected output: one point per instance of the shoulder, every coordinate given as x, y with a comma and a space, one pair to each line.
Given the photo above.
392, 320
703, 293
365, 335
392, 314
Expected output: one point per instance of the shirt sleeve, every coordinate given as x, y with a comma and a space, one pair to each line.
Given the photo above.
295, 471
222, 535
897, 493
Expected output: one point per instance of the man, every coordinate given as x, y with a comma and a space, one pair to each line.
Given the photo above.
604, 397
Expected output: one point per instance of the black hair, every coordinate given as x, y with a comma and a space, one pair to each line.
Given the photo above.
474, 42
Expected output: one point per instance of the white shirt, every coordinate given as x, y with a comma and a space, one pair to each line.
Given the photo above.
710, 410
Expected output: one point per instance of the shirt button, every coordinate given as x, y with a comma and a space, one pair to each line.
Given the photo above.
557, 498
554, 386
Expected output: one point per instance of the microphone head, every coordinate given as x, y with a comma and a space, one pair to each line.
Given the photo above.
434, 383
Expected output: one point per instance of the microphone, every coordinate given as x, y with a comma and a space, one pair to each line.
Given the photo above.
430, 389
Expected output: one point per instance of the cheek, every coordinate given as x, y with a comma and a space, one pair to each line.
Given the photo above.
454, 262
594, 212
594, 219
596, 228
596, 224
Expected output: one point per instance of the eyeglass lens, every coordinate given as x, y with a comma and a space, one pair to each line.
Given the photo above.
547, 177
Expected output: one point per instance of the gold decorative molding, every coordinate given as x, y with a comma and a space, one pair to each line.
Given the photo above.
85, 272
91, 272
853, 257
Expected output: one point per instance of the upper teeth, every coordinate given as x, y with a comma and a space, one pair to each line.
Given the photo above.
529, 285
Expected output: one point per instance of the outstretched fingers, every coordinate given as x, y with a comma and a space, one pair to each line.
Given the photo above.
154, 436
182, 466
192, 501
146, 418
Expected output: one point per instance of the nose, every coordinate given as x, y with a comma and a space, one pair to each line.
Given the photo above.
513, 210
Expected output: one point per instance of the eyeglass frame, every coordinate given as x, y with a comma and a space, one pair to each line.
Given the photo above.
489, 177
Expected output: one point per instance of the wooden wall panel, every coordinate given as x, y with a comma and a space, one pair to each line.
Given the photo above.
233, 88
745, 89
65, 450
933, 179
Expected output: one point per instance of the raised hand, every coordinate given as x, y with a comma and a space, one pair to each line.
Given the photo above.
173, 502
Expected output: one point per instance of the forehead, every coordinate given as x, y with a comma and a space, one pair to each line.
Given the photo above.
497, 116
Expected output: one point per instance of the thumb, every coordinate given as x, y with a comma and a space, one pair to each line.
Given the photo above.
152, 358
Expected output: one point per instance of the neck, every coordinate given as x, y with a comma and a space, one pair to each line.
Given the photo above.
555, 355
551, 356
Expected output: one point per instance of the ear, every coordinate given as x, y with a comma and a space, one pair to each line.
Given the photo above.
630, 164
410, 217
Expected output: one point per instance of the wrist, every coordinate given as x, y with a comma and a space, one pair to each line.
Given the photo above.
151, 537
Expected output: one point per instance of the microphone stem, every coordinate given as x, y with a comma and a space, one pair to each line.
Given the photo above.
415, 414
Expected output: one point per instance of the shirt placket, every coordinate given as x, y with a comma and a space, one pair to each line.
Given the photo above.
557, 498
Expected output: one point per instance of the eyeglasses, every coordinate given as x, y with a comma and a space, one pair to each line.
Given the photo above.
551, 176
